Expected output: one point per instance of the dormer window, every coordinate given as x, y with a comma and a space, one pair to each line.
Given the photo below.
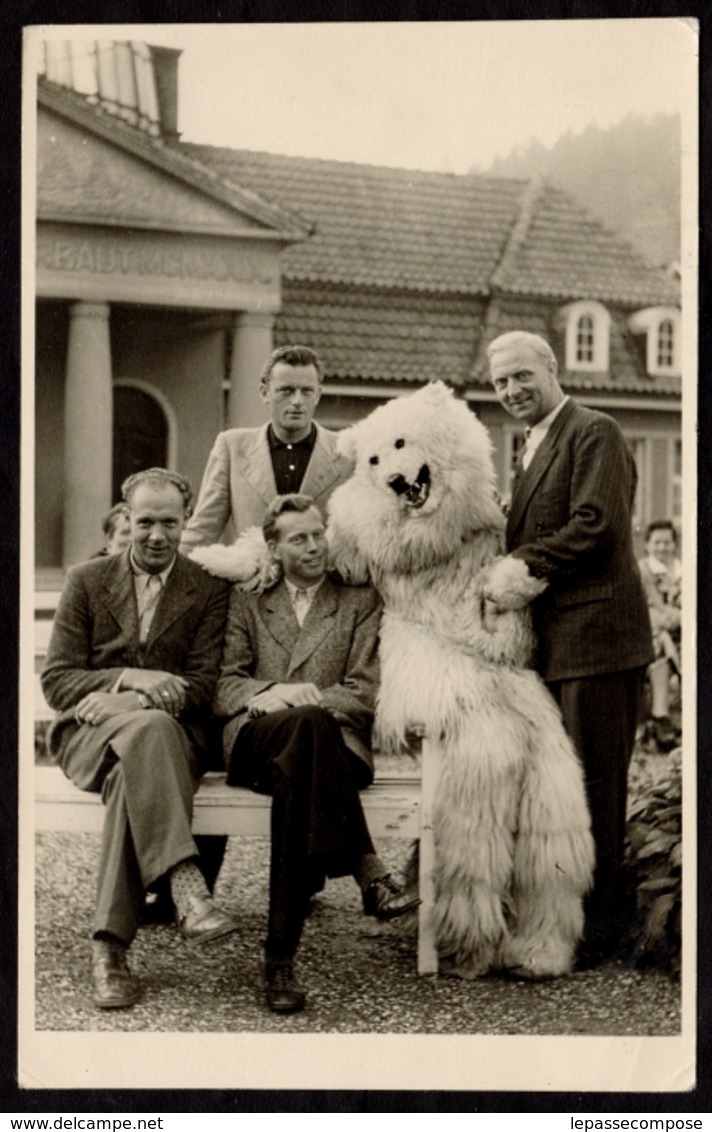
584, 340
587, 332
661, 325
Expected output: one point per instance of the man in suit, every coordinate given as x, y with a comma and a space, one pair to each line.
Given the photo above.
131, 670
569, 537
249, 466
297, 690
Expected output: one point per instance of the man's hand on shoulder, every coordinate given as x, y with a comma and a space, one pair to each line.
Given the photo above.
164, 689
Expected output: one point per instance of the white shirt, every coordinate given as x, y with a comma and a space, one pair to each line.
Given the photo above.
536, 434
301, 598
145, 601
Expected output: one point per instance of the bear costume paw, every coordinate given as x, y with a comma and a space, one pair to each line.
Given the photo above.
247, 562
509, 584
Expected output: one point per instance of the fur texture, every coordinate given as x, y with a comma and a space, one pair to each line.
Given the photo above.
247, 562
420, 518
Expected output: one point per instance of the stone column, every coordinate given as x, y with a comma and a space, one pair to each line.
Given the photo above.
88, 433
251, 347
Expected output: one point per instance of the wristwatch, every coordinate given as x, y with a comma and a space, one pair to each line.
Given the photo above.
143, 700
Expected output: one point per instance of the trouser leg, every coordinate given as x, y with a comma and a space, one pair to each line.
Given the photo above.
146, 769
317, 822
601, 714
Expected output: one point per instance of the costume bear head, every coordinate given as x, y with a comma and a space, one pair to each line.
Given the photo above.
423, 484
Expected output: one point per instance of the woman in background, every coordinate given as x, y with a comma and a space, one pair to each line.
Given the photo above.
662, 578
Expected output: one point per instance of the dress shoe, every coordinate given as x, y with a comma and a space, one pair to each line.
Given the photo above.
114, 985
204, 920
385, 899
284, 995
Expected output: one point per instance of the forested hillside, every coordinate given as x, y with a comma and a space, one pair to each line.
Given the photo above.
629, 175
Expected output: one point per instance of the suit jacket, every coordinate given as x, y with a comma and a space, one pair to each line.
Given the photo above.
238, 482
570, 519
336, 648
95, 636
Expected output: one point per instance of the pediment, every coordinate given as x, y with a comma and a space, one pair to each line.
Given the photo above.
90, 179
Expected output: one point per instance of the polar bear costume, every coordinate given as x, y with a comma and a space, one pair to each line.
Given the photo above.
514, 854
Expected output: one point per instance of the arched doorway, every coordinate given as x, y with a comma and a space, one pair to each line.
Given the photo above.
140, 434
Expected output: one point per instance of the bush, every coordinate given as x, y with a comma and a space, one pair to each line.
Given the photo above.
654, 864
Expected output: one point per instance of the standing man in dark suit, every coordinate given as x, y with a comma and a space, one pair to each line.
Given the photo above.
570, 527
131, 670
297, 690
249, 466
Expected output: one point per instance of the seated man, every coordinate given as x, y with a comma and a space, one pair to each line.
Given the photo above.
131, 670
297, 687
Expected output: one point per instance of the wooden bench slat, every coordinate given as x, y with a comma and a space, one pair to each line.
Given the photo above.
391, 805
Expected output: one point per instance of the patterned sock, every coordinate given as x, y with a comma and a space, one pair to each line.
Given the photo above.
369, 868
186, 881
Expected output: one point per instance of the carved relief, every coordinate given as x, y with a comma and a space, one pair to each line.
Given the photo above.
121, 256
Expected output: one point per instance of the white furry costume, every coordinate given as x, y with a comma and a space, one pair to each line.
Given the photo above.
419, 517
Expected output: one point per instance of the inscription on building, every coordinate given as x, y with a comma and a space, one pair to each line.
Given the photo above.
117, 258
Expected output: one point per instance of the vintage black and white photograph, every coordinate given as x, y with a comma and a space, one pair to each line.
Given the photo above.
358, 506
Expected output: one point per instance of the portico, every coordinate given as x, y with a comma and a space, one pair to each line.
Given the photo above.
162, 286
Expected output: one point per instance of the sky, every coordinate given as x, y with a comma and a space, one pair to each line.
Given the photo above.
436, 96
440, 96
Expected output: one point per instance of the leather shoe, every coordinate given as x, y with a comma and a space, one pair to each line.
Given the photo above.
284, 995
204, 920
385, 899
114, 985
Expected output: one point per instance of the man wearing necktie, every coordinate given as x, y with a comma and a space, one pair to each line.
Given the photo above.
569, 525
131, 669
297, 691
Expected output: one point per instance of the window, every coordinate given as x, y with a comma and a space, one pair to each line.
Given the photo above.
661, 325
658, 459
586, 327
584, 339
640, 450
513, 445
675, 509
666, 344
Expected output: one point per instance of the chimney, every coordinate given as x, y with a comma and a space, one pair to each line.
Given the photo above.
165, 69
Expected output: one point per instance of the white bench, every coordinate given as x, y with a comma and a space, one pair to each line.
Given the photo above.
393, 807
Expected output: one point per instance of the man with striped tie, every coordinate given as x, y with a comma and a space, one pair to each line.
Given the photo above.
131, 668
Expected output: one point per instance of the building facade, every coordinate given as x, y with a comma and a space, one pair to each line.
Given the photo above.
166, 272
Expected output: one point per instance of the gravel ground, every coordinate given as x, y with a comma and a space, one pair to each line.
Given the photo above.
359, 974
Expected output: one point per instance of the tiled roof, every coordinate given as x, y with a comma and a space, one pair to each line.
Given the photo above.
380, 227
565, 251
436, 232
405, 275
382, 336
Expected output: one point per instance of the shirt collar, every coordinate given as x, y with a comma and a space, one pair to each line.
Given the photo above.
657, 567
308, 591
306, 442
542, 427
138, 571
